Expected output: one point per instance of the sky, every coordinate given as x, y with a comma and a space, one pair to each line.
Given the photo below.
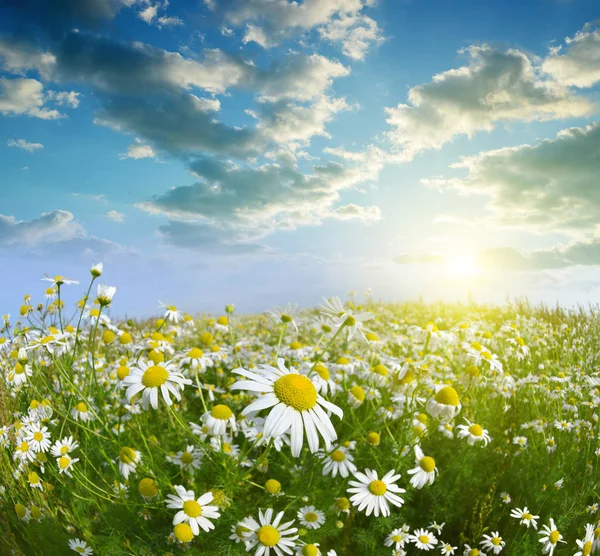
260, 152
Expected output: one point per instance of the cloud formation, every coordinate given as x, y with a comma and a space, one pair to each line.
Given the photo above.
495, 87
578, 63
548, 187
25, 145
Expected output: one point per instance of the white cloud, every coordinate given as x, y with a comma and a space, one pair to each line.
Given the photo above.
138, 150
579, 63
22, 96
116, 216
25, 145
268, 23
62, 98
357, 212
496, 87
546, 188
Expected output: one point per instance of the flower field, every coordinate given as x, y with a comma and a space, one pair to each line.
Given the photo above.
347, 429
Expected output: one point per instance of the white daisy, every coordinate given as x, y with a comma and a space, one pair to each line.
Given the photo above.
38, 437
64, 446
81, 547
493, 542
339, 461
343, 317
196, 360
586, 544
65, 463
473, 433
297, 405
425, 470
423, 539
218, 419
310, 517
397, 538
128, 460
445, 405
373, 493
269, 533
171, 312
195, 512
190, 458
149, 378
525, 517
549, 537
59, 280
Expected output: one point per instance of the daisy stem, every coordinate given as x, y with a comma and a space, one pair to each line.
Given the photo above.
60, 319
87, 296
200, 391
262, 457
279, 341
320, 355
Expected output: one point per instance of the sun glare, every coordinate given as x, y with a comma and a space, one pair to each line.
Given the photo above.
461, 265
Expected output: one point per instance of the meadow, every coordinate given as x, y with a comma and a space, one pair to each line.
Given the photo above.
352, 428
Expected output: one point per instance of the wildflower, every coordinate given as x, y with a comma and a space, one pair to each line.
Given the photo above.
128, 460
148, 488
493, 542
96, 270
105, 294
505, 497
342, 317
38, 437
81, 412
269, 533
64, 446
197, 513
549, 537
23, 513
149, 378
339, 461
172, 313
587, 542
298, 405
448, 548
423, 539
525, 517
373, 493
310, 517
190, 458
60, 280
81, 547
425, 470
218, 419
397, 538
65, 463
445, 405
473, 433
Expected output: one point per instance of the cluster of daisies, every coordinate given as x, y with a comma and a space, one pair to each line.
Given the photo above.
316, 432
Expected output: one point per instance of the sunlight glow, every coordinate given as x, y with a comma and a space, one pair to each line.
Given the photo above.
461, 264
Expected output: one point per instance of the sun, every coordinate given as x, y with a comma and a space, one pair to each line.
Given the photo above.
461, 264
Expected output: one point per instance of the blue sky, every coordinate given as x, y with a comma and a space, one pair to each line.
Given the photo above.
260, 152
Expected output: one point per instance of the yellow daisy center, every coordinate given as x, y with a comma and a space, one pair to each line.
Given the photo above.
587, 548
358, 393
554, 537
20, 510
38, 436
192, 508
311, 517
122, 372
295, 345
183, 532
273, 486
322, 371
148, 487
427, 464
36, 513
296, 391
81, 407
64, 450
528, 517
378, 488
447, 396
310, 550
155, 376
473, 552
476, 430
496, 541
195, 353
342, 503
187, 458
381, 370
64, 462
221, 412
268, 535
127, 455
424, 539
338, 455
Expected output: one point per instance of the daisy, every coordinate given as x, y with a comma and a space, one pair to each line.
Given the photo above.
172, 313
81, 412
237, 532
24, 452
128, 460
322, 380
197, 360
23, 512
342, 317
493, 542
224, 444
310, 517
81, 547
218, 419
468, 551
105, 294
587, 542
473, 433
38, 437
96, 270
65, 463
149, 378
525, 517
423, 539
445, 405
448, 548
267, 533
549, 537
59, 280
298, 405
425, 470
285, 315
34, 480
310, 550
195, 512
190, 458
339, 461
356, 396
397, 538
373, 493
64, 446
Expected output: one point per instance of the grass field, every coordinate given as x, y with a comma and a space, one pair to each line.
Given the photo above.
375, 428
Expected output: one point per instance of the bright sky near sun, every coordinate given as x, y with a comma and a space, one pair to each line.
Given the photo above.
266, 151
